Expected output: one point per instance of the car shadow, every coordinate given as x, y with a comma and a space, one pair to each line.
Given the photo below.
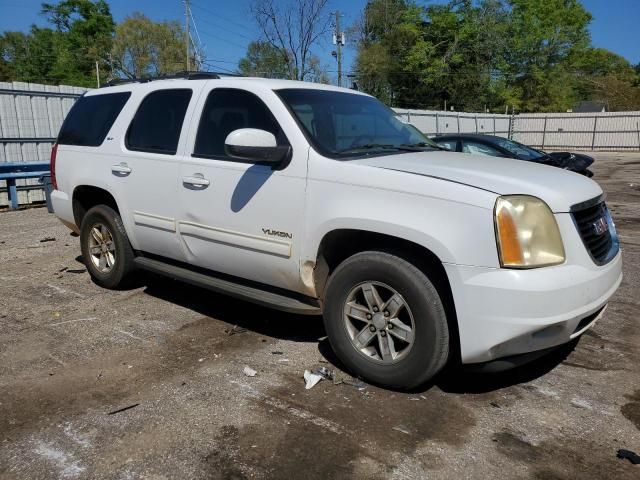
457, 379
241, 314
454, 378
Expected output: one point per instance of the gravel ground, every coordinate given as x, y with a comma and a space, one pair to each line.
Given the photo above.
72, 353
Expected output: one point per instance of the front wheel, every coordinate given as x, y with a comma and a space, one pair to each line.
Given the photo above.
105, 247
385, 320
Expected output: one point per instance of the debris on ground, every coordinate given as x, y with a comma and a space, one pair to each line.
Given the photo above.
401, 429
76, 270
113, 412
337, 377
311, 379
629, 455
249, 372
63, 269
235, 330
47, 239
277, 352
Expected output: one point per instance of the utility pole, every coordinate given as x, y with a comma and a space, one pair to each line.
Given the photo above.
186, 27
338, 41
97, 74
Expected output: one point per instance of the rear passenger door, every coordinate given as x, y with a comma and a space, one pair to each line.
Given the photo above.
147, 173
240, 217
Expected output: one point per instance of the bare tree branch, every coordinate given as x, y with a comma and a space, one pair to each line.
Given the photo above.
294, 27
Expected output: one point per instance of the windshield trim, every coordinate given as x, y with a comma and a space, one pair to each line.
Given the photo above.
336, 155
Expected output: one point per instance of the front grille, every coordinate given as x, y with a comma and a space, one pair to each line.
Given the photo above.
590, 222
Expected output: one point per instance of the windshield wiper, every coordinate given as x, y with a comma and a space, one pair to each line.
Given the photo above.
421, 145
379, 146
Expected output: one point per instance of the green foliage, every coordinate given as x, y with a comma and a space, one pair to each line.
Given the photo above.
266, 60
531, 55
83, 36
142, 48
66, 54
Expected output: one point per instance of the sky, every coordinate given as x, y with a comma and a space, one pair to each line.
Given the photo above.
225, 27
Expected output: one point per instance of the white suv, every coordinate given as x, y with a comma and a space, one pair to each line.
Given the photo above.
315, 199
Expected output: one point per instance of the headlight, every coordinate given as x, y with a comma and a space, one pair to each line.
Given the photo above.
527, 233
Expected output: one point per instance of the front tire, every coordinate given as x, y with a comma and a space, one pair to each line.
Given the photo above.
105, 247
385, 320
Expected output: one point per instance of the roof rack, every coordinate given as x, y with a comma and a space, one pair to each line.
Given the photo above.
186, 75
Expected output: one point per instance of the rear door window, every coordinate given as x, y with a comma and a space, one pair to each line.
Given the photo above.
158, 122
229, 109
91, 118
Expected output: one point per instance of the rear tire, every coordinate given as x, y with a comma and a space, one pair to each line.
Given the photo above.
385, 320
105, 247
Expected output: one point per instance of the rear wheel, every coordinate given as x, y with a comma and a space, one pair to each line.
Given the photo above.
105, 247
385, 320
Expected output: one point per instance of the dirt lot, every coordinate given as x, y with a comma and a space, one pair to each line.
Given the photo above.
71, 353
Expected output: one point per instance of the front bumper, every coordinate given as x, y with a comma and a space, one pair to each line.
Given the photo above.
504, 312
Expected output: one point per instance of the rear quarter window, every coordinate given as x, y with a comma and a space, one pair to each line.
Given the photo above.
91, 118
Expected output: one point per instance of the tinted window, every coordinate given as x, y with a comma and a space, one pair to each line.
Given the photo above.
158, 122
227, 110
480, 149
91, 118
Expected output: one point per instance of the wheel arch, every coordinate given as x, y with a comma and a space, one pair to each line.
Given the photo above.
339, 244
85, 197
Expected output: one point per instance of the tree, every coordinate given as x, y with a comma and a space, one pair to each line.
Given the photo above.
417, 57
609, 78
65, 54
294, 27
142, 47
532, 55
84, 34
264, 60
544, 37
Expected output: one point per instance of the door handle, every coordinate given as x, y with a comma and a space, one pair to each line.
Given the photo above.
196, 180
120, 170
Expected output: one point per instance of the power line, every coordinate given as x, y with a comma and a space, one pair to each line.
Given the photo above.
195, 27
213, 24
224, 40
217, 67
217, 15
187, 36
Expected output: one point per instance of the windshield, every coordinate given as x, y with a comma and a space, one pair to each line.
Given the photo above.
341, 125
521, 151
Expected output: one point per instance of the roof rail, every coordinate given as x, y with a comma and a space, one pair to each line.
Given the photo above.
186, 75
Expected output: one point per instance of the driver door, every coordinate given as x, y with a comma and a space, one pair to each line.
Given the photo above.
239, 217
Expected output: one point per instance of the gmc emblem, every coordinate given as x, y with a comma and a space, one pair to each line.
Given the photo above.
600, 226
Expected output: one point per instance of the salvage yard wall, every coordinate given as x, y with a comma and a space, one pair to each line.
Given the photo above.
605, 131
30, 116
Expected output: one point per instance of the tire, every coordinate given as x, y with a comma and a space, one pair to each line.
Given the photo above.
391, 276
116, 271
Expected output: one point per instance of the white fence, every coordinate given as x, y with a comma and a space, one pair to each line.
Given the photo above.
30, 117
578, 131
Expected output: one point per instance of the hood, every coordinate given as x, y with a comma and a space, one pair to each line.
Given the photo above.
559, 188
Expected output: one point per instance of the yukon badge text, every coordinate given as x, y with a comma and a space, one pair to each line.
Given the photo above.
276, 233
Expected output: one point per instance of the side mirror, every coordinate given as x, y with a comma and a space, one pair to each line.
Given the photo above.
255, 145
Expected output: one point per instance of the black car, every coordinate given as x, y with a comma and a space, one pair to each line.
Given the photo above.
503, 147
